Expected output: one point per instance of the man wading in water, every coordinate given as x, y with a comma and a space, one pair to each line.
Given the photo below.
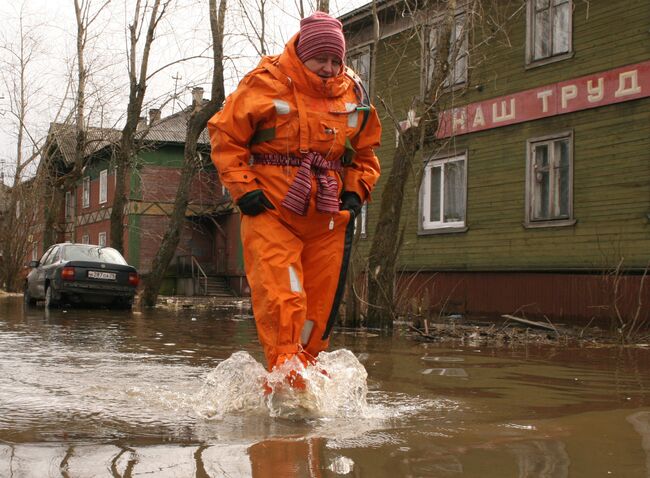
294, 146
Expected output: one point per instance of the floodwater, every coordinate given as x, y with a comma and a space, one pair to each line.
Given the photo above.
178, 393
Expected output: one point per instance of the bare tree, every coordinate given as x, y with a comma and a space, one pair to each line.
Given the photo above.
300, 6
416, 134
84, 17
323, 6
54, 178
19, 201
258, 26
138, 77
201, 113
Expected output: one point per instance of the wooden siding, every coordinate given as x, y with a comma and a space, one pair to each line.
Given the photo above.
611, 150
586, 298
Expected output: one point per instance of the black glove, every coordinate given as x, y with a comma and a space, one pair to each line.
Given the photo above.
254, 203
350, 201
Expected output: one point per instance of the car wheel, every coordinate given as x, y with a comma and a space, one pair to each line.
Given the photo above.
29, 300
50, 302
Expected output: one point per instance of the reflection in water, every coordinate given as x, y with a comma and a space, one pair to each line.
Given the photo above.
541, 459
273, 458
641, 423
93, 393
287, 458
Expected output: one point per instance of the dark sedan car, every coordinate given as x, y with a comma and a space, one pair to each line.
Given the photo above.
81, 274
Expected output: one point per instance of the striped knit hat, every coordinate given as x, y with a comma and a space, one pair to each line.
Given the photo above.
320, 33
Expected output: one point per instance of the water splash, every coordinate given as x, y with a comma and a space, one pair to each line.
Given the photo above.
235, 385
335, 387
341, 465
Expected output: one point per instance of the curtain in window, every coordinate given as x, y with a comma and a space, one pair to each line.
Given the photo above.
454, 191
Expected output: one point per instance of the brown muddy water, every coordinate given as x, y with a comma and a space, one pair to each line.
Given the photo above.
96, 393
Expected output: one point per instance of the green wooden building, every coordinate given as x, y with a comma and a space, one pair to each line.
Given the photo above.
535, 194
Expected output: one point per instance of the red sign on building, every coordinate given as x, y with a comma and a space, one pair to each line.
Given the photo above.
614, 86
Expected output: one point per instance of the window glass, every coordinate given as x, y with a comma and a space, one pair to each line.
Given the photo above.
454, 191
69, 205
52, 257
540, 197
564, 173
359, 61
549, 183
457, 57
45, 256
561, 29
86, 192
458, 53
93, 253
542, 34
103, 186
549, 25
436, 187
364, 219
361, 220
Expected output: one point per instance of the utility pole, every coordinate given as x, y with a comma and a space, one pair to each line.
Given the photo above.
176, 79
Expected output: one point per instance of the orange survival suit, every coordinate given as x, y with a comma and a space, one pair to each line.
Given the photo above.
295, 264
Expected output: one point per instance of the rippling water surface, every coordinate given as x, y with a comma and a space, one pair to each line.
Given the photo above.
180, 393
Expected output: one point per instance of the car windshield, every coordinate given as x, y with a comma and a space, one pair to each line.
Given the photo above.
93, 254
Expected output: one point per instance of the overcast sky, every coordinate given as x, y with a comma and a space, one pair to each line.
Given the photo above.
50, 30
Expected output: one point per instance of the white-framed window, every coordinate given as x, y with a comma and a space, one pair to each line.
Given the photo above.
457, 57
549, 180
443, 194
549, 30
35, 251
85, 194
101, 239
360, 62
85, 239
103, 186
69, 205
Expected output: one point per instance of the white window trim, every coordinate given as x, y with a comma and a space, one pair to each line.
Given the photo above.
438, 227
85, 239
530, 39
559, 222
101, 239
103, 186
85, 192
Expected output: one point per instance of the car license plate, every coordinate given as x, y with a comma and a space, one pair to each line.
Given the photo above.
101, 275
